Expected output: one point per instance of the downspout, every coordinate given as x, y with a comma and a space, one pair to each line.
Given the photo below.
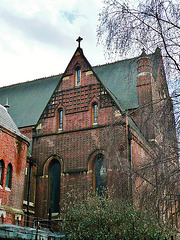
129, 158
31, 163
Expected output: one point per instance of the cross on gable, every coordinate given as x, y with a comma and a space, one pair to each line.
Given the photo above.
79, 40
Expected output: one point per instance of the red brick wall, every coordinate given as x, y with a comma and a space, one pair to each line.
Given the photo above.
13, 150
143, 174
27, 131
80, 141
76, 150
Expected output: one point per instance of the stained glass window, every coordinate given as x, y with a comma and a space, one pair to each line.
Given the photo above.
78, 76
9, 176
1, 172
100, 169
60, 112
94, 113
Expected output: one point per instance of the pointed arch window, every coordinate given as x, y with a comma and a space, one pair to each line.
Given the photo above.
94, 113
100, 175
78, 76
1, 172
60, 119
54, 186
9, 176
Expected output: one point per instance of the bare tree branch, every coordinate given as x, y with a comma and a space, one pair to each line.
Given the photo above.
154, 23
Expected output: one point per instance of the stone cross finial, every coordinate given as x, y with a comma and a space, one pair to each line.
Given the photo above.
79, 40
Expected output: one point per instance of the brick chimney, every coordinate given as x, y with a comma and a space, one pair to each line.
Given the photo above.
144, 69
144, 87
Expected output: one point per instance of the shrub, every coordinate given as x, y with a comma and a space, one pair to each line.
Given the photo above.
102, 218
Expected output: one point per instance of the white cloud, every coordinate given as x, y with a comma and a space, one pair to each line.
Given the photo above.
37, 37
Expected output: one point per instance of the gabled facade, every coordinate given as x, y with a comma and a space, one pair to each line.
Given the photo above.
77, 134
96, 128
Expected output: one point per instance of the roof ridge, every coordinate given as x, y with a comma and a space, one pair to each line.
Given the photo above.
60, 74
118, 61
123, 60
30, 81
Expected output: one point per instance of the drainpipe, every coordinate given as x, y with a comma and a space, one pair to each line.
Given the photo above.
129, 158
31, 163
50, 218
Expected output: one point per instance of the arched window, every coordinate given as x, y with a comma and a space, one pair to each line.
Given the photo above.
94, 113
54, 186
78, 76
100, 174
60, 120
9, 176
1, 172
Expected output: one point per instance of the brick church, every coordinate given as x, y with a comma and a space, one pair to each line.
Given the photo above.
96, 128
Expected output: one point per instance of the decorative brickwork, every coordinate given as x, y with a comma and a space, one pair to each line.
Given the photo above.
101, 127
80, 141
77, 99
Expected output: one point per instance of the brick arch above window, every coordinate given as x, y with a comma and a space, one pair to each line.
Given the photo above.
48, 162
76, 66
93, 155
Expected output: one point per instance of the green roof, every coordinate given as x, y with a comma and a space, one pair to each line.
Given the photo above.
28, 100
120, 79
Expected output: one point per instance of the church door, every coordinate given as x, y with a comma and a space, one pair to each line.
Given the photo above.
54, 176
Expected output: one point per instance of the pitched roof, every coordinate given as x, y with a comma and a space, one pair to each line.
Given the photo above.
27, 100
120, 79
7, 122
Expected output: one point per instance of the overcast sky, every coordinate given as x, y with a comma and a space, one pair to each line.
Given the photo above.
38, 37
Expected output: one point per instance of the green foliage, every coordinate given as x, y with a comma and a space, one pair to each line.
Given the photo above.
101, 218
